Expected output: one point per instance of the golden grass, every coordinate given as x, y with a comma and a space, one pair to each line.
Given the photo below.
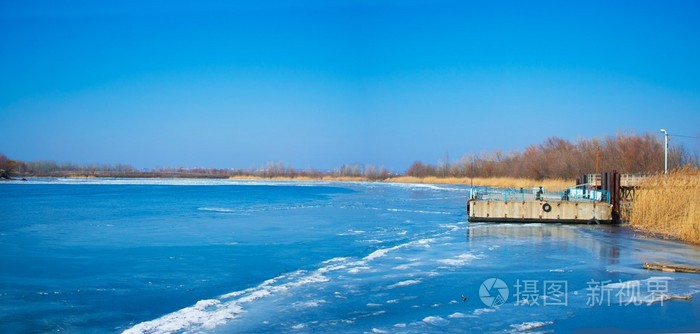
300, 178
498, 182
669, 205
255, 178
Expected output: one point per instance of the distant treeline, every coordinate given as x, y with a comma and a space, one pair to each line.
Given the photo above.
270, 170
555, 158
560, 158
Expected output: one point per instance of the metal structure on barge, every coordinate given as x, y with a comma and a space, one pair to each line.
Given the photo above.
596, 199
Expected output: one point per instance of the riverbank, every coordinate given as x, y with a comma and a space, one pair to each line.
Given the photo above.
302, 178
668, 206
497, 182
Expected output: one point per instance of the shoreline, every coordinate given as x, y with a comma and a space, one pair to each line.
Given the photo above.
496, 182
655, 231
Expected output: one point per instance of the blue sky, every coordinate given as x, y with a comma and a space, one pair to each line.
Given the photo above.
322, 83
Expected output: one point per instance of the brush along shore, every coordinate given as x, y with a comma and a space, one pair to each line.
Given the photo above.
497, 182
669, 205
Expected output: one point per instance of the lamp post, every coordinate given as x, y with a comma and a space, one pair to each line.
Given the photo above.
665, 151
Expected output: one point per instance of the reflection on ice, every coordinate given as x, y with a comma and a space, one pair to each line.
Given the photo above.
587, 239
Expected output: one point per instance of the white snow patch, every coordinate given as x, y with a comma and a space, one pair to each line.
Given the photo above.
460, 260
332, 268
530, 325
356, 270
298, 327
255, 295
402, 267
309, 304
226, 210
436, 321
404, 283
481, 311
379, 253
205, 314
336, 259
451, 227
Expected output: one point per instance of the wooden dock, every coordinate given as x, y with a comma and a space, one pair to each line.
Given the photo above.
668, 267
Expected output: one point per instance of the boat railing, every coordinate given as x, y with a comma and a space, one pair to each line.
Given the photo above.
579, 193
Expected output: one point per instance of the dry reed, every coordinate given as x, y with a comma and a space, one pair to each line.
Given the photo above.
301, 178
498, 182
669, 205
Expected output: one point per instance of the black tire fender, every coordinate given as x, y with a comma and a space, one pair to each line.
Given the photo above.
546, 207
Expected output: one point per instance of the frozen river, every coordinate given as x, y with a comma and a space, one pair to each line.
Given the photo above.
168, 256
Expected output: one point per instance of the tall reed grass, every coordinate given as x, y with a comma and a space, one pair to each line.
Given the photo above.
302, 178
669, 205
498, 182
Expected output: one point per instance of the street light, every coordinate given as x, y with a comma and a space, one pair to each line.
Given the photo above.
665, 151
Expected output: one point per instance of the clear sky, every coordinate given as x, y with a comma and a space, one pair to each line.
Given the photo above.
235, 84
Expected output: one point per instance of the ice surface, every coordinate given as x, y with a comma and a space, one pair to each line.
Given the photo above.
309, 270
